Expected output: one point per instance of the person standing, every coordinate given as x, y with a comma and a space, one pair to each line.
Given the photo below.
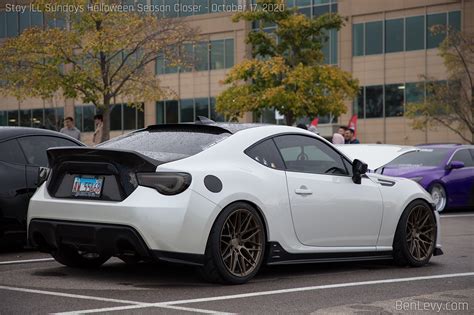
350, 138
337, 138
99, 126
69, 128
342, 130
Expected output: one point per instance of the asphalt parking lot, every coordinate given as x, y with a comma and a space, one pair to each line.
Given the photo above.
32, 283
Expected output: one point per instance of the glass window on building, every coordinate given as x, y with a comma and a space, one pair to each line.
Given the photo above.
3, 24
129, 117
415, 92
36, 19
373, 38
433, 39
88, 113
217, 54
394, 100
25, 117
116, 117
171, 110
54, 118
358, 39
202, 106
24, 20
203, 6
141, 117
160, 112
374, 101
3, 118
415, 33
13, 117
320, 10
37, 118
394, 32
160, 64
454, 20
187, 57
201, 55
358, 105
172, 12
229, 53
333, 45
78, 118
187, 110
214, 114
12, 24
303, 3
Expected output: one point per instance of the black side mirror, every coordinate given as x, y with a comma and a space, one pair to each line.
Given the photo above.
43, 174
359, 168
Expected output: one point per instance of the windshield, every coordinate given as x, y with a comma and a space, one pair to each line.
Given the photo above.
166, 145
423, 157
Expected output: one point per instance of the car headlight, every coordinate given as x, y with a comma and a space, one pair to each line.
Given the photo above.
166, 183
417, 179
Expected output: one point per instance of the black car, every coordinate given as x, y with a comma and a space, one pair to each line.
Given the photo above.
22, 153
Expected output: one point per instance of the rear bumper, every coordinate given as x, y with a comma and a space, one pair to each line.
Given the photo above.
106, 239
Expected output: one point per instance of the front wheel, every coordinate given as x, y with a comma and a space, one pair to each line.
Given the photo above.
71, 257
415, 237
438, 193
236, 245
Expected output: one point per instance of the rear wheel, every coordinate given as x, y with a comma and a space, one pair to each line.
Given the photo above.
415, 237
71, 257
236, 245
438, 193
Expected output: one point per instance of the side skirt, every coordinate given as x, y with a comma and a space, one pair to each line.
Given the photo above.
278, 256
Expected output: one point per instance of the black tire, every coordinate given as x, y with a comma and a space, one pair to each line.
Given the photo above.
402, 250
214, 268
70, 257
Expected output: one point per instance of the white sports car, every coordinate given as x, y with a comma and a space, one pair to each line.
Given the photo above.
227, 198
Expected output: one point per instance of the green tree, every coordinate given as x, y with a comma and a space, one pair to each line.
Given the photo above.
100, 56
287, 71
450, 104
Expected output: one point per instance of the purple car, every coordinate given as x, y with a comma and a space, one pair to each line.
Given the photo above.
446, 171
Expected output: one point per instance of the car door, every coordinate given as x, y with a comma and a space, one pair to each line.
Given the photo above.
13, 187
328, 209
460, 182
35, 151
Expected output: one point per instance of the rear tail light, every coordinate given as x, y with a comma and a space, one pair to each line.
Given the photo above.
166, 183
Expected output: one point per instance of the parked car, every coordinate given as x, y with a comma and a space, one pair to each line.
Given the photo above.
375, 155
445, 170
227, 198
22, 152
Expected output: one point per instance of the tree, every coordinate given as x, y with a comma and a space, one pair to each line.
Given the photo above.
450, 104
100, 55
287, 71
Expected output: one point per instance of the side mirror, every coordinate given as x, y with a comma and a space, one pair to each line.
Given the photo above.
359, 168
455, 165
43, 174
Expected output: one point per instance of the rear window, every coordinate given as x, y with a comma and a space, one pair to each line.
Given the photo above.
166, 145
424, 157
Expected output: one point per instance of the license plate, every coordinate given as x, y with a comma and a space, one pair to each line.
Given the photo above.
87, 186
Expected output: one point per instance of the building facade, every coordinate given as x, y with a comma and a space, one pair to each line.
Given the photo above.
385, 44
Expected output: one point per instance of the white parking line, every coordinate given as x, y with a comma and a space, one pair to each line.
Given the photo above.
272, 292
456, 215
25, 261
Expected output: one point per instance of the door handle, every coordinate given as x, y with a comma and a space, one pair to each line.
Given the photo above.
303, 190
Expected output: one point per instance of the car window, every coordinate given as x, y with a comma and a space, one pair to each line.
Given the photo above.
463, 156
35, 147
423, 157
11, 152
309, 155
266, 154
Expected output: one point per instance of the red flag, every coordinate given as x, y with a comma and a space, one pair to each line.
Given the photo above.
353, 124
315, 122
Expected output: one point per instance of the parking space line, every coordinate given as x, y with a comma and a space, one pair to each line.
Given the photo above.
68, 295
25, 261
146, 305
273, 292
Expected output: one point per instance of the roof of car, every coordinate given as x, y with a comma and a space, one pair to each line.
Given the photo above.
445, 146
13, 132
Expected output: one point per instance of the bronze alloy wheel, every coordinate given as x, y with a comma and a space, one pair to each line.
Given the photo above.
421, 232
241, 242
